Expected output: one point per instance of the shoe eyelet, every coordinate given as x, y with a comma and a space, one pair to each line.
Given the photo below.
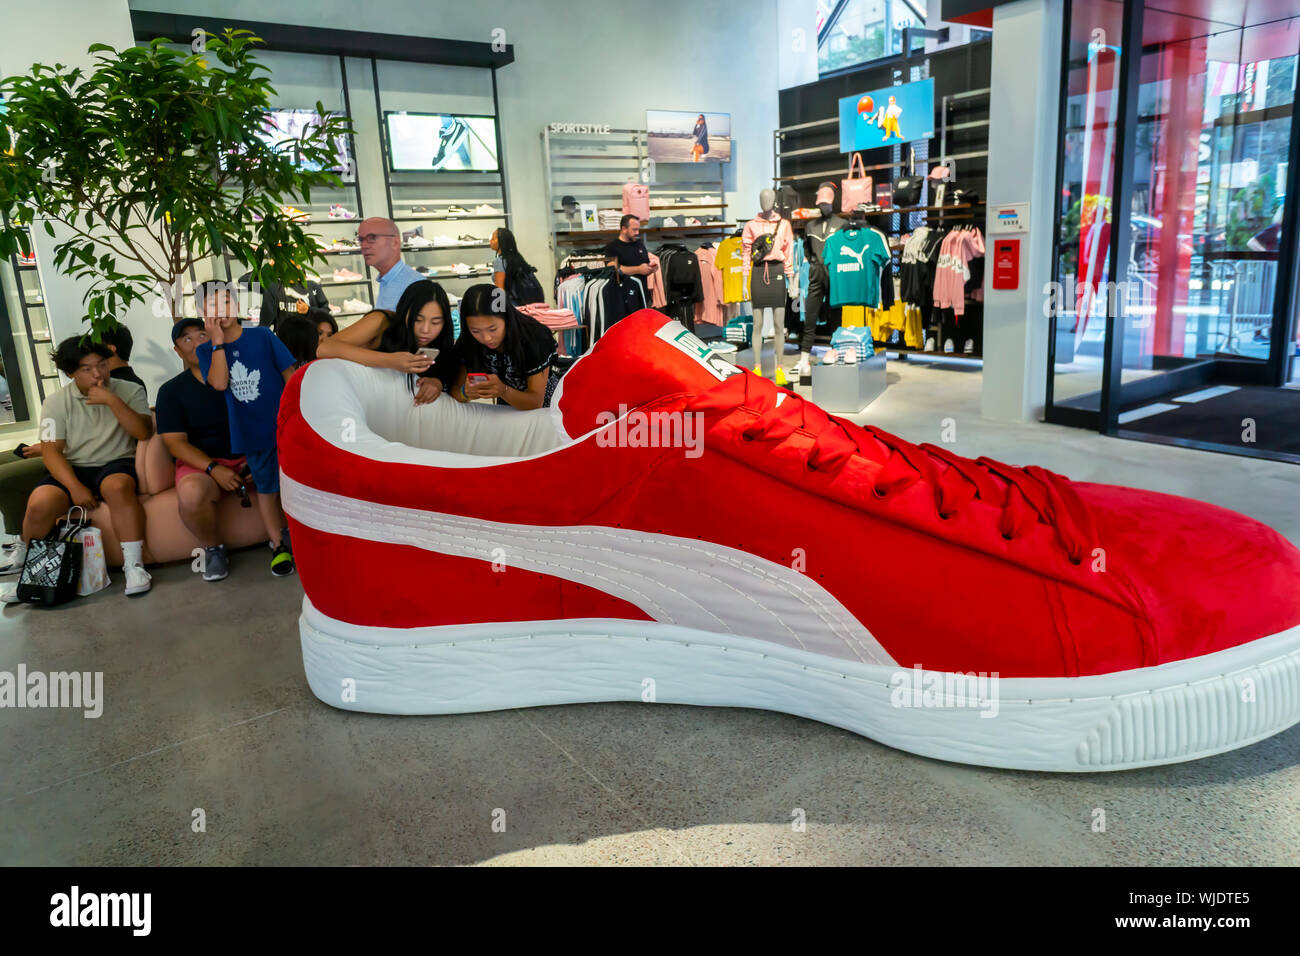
811, 466
1076, 563
1007, 537
946, 517
746, 436
878, 493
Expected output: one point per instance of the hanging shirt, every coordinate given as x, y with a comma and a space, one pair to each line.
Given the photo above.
953, 268
855, 259
709, 309
729, 261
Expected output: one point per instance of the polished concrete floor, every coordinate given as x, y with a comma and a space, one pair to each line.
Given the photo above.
207, 709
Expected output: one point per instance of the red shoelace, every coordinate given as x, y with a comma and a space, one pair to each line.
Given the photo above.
1027, 495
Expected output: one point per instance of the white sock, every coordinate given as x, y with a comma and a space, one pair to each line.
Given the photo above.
132, 553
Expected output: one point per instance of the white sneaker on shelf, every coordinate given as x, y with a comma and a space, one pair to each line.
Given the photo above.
692, 221
487, 209
969, 347
670, 222
347, 275
830, 357
455, 210
929, 345
419, 242
335, 310
461, 269
339, 211
850, 356
948, 346
138, 580
707, 201
355, 305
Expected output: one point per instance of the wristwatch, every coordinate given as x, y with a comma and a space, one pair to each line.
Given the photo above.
212, 464
219, 348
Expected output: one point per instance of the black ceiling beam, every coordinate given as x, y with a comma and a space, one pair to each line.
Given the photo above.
289, 38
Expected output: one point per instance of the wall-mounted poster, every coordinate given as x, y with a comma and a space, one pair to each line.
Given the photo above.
895, 114
590, 220
678, 136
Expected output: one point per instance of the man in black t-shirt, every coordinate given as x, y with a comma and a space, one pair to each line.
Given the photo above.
119, 342
193, 422
630, 253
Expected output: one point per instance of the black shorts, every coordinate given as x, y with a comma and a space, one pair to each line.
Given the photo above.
92, 476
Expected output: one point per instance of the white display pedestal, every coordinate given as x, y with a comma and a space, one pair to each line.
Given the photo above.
848, 389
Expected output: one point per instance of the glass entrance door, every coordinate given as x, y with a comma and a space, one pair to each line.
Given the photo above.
1208, 194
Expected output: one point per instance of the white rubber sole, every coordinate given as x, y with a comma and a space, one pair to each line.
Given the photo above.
1138, 718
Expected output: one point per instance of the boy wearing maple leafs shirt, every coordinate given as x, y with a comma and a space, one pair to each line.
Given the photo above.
251, 366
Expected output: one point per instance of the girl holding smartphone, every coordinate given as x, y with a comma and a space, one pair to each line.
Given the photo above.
506, 355
416, 338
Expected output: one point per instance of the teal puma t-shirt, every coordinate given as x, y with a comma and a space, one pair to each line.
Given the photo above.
854, 259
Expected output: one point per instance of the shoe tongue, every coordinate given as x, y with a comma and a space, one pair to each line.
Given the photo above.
641, 358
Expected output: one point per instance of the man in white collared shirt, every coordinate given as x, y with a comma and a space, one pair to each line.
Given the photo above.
381, 247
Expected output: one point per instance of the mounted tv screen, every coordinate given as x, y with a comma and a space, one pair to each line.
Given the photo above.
677, 136
283, 126
441, 143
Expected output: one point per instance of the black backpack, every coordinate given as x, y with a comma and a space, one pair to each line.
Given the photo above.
524, 289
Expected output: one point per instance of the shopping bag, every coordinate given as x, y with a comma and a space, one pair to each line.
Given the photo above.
855, 189
53, 564
94, 566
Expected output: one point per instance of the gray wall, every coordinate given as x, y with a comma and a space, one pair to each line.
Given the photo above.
595, 61
587, 61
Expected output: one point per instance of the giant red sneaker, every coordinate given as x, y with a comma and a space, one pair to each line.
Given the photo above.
677, 530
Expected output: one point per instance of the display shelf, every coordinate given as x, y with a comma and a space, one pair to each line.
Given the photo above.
36, 330
580, 165
468, 189
709, 227
416, 217
448, 247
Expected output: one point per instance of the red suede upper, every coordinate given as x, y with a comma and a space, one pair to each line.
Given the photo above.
1180, 578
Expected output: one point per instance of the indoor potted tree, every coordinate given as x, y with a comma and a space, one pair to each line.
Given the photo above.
152, 162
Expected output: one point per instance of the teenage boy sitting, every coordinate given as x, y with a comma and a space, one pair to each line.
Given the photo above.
89, 431
251, 366
195, 427
119, 341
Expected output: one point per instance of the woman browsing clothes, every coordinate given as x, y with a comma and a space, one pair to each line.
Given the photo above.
511, 271
415, 338
505, 354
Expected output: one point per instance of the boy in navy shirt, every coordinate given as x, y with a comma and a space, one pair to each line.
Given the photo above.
251, 366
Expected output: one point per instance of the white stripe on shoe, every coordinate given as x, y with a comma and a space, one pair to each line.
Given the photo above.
680, 581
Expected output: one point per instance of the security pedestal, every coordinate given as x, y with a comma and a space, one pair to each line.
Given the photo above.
848, 389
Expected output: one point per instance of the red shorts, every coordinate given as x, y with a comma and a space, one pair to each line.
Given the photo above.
235, 464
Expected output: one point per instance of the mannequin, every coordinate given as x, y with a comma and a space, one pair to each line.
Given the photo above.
817, 231
767, 281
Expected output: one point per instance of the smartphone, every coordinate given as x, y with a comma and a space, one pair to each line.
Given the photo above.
430, 354
476, 378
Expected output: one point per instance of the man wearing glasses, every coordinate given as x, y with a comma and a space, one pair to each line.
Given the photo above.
381, 247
